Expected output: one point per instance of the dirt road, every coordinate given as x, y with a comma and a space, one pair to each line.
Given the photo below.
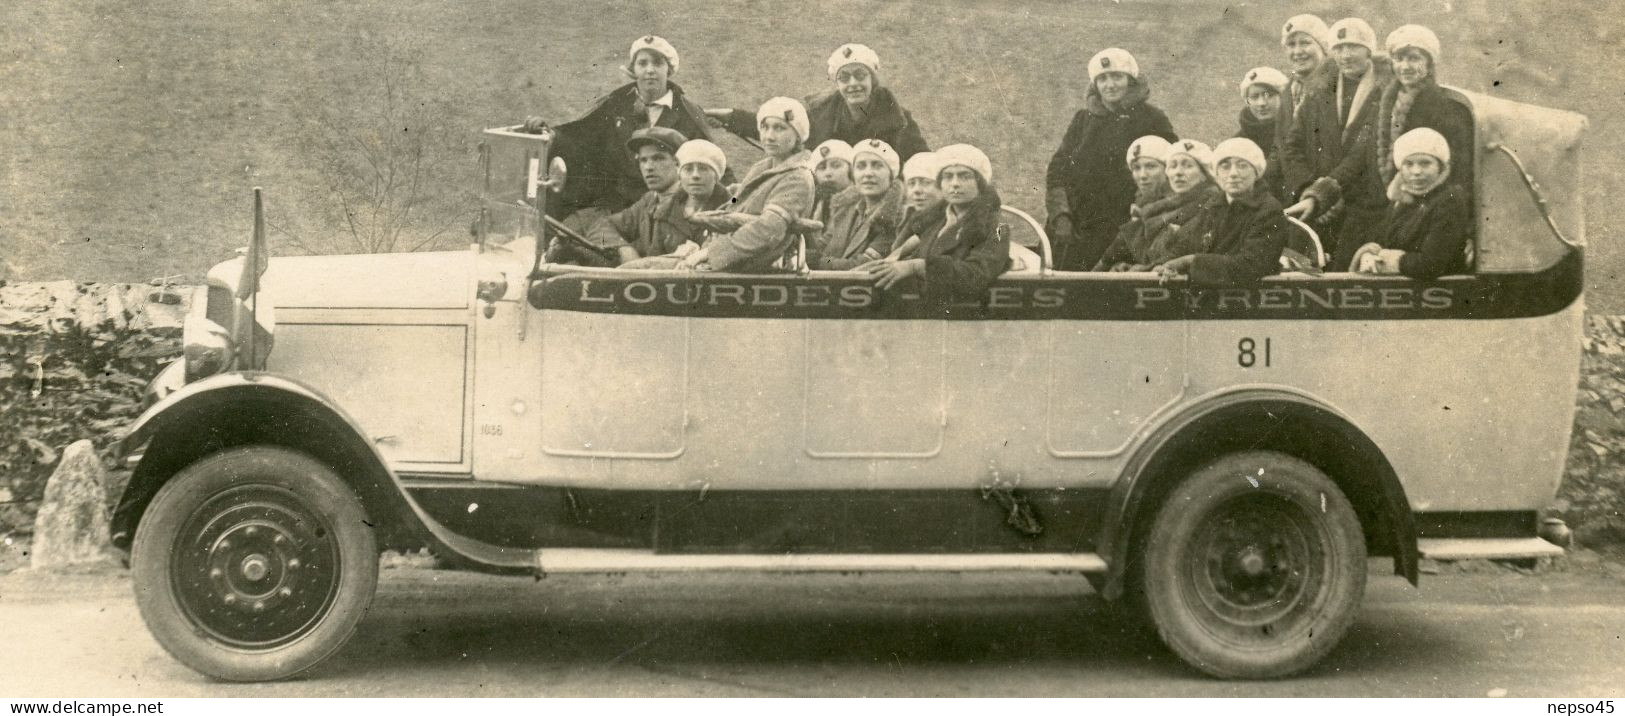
442, 633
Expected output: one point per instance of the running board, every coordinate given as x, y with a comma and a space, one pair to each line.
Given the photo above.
1488, 548
557, 561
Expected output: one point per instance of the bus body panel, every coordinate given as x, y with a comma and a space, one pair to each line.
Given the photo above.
764, 404
1450, 403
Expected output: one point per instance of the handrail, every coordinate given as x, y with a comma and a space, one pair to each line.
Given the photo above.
1534, 191
1320, 257
1043, 238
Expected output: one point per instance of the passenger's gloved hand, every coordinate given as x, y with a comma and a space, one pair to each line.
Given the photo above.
1388, 261
533, 125
1177, 267
1365, 258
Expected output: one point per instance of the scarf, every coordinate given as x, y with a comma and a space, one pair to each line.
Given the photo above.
1295, 92
1143, 198
1139, 91
1361, 91
1260, 131
1396, 104
1159, 214
1399, 194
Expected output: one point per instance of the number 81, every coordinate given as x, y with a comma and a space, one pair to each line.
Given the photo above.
1247, 353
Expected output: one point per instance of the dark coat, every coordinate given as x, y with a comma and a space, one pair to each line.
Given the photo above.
1321, 145
655, 225
1087, 178
1153, 225
602, 173
1429, 108
1372, 176
962, 262
1234, 241
1262, 132
829, 118
851, 232
1325, 158
1433, 230
1297, 91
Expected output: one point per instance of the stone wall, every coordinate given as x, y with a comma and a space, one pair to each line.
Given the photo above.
1592, 497
74, 359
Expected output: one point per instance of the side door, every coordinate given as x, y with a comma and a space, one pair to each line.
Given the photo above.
1117, 361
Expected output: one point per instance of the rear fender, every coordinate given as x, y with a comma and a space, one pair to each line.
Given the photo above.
1251, 419
249, 408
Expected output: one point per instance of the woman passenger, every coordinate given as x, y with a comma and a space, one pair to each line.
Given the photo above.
920, 188
604, 178
1428, 228
1088, 189
1328, 150
920, 191
1415, 100
1237, 237
1173, 184
961, 251
1261, 97
832, 173
864, 218
777, 190
855, 109
1307, 42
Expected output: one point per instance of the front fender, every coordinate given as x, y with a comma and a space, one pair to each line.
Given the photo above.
247, 408
176, 405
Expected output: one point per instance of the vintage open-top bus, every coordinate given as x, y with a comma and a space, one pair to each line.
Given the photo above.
1223, 459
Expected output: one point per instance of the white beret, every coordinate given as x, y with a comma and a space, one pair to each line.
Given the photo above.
1149, 146
965, 155
923, 164
832, 149
1415, 36
853, 53
1354, 31
789, 110
1113, 59
882, 150
1201, 152
656, 43
1263, 76
1240, 148
1309, 25
700, 151
1421, 141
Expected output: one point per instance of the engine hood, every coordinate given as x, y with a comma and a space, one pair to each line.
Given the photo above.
416, 280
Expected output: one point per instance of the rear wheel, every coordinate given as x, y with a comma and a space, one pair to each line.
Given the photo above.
1254, 567
254, 564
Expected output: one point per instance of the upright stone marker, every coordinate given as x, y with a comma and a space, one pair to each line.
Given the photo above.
71, 527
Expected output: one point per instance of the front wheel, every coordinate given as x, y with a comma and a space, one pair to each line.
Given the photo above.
254, 564
1255, 566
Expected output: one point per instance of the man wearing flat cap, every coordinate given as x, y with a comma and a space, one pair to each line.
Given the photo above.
653, 150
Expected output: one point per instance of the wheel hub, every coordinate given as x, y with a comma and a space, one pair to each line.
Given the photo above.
1257, 567
255, 567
